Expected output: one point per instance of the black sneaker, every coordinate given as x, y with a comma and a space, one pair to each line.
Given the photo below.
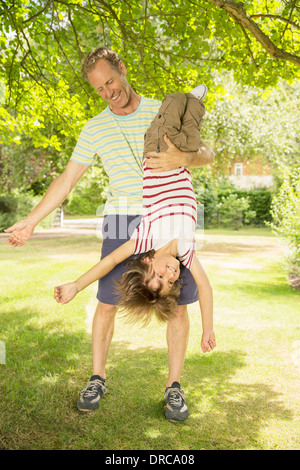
175, 409
91, 394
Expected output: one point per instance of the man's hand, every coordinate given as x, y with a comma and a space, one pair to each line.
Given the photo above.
174, 158
20, 233
169, 160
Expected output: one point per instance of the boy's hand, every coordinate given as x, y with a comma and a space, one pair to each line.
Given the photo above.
169, 160
63, 294
208, 342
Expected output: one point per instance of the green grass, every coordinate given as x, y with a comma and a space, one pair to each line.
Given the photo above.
243, 395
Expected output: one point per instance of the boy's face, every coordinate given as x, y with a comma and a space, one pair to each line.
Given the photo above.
164, 270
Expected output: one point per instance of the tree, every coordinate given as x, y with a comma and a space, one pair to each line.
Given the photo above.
247, 121
171, 43
270, 17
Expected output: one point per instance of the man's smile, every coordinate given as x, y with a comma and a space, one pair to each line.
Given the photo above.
117, 96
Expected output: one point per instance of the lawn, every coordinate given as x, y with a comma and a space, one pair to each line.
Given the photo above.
242, 396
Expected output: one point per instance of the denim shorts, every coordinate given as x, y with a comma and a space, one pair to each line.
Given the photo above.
116, 230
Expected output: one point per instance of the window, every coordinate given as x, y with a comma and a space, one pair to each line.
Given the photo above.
238, 169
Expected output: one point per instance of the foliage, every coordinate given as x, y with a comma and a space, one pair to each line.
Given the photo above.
232, 210
247, 121
286, 218
42, 46
241, 51
206, 192
8, 208
88, 194
259, 200
29, 168
14, 207
221, 199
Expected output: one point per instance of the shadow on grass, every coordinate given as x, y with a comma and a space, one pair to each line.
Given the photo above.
223, 414
46, 368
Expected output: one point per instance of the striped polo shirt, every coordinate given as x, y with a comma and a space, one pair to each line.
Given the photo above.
119, 142
169, 212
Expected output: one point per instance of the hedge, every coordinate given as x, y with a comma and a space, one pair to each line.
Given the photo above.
211, 196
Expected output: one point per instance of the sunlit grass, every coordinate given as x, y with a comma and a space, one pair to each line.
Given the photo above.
244, 395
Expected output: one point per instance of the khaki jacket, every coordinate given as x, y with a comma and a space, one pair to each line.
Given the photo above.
180, 117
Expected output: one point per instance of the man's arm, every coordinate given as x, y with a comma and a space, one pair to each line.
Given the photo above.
174, 158
206, 304
204, 156
58, 191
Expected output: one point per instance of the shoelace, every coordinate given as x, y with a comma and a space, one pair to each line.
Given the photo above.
175, 397
93, 388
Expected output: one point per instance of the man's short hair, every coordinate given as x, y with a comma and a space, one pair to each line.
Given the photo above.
94, 56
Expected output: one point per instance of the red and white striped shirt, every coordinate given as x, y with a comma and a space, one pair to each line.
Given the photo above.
169, 212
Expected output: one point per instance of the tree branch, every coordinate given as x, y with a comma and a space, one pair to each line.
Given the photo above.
290, 15
33, 17
276, 17
237, 11
75, 34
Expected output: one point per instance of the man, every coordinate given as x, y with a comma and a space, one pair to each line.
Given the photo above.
117, 135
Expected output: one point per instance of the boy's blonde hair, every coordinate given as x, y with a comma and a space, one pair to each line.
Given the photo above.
138, 301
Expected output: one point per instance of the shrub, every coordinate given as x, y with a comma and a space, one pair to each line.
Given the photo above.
213, 192
233, 211
88, 194
260, 200
8, 211
206, 194
285, 211
14, 207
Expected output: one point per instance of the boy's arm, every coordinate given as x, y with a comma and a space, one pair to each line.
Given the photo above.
64, 293
105, 265
174, 158
206, 304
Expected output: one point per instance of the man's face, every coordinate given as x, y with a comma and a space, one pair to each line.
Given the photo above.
111, 84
